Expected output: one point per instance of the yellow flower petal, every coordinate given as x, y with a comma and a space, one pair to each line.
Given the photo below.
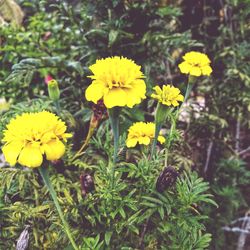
48, 136
142, 133
180, 98
134, 98
196, 64
54, 150
158, 90
131, 142
161, 139
139, 88
168, 95
11, 151
144, 140
65, 136
115, 97
207, 70
175, 103
195, 71
184, 67
118, 80
94, 92
30, 157
26, 135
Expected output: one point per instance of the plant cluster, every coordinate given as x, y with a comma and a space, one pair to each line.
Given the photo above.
140, 191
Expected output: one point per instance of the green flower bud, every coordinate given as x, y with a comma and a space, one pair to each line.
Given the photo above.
53, 89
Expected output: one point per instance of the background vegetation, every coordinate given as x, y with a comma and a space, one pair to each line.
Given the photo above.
62, 38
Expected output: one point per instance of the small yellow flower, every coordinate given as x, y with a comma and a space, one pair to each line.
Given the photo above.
195, 64
168, 95
29, 136
118, 81
142, 133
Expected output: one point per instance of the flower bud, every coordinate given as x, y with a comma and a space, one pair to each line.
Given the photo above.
53, 89
161, 113
166, 179
48, 78
87, 184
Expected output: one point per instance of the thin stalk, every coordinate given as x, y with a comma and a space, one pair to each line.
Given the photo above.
160, 117
58, 107
44, 173
187, 94
114, 122
158, 126
173, 125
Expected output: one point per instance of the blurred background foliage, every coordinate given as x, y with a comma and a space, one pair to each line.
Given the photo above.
62, 38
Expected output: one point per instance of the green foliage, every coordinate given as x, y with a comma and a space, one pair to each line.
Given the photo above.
225, 120
235, 177
110, 216
62, 39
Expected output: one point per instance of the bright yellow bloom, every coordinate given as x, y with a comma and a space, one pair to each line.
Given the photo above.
195, 64
118, 81
168, 95
29, 136
142, 133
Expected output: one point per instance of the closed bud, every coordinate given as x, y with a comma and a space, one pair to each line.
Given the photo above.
166, 179
161, 113
53, 89
87, 184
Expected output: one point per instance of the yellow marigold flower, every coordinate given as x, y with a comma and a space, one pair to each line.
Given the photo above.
142, 133
29, 136
168, 95
195, 64
118, 81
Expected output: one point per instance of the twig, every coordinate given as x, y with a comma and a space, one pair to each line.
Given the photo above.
143, 234
243, 236
169, 74
242, 152
237, 136
240, 219
236, 230
209, 151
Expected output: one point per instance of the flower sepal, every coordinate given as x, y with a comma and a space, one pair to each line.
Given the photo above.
162, 112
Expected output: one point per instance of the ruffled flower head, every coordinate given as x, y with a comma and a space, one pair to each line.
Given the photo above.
118, 81
30, 136
168, 95
195, 64
142, 133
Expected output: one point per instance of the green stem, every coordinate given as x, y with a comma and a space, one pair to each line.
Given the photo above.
169, 141
160, 117
158, 126
114, 122
190, 85
58, 107
188, 91
44, 173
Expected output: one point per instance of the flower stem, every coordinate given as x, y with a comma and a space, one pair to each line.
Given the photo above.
114, 122
44, 173
188, 91
58, 107
160, 117
158, 126
173, 123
